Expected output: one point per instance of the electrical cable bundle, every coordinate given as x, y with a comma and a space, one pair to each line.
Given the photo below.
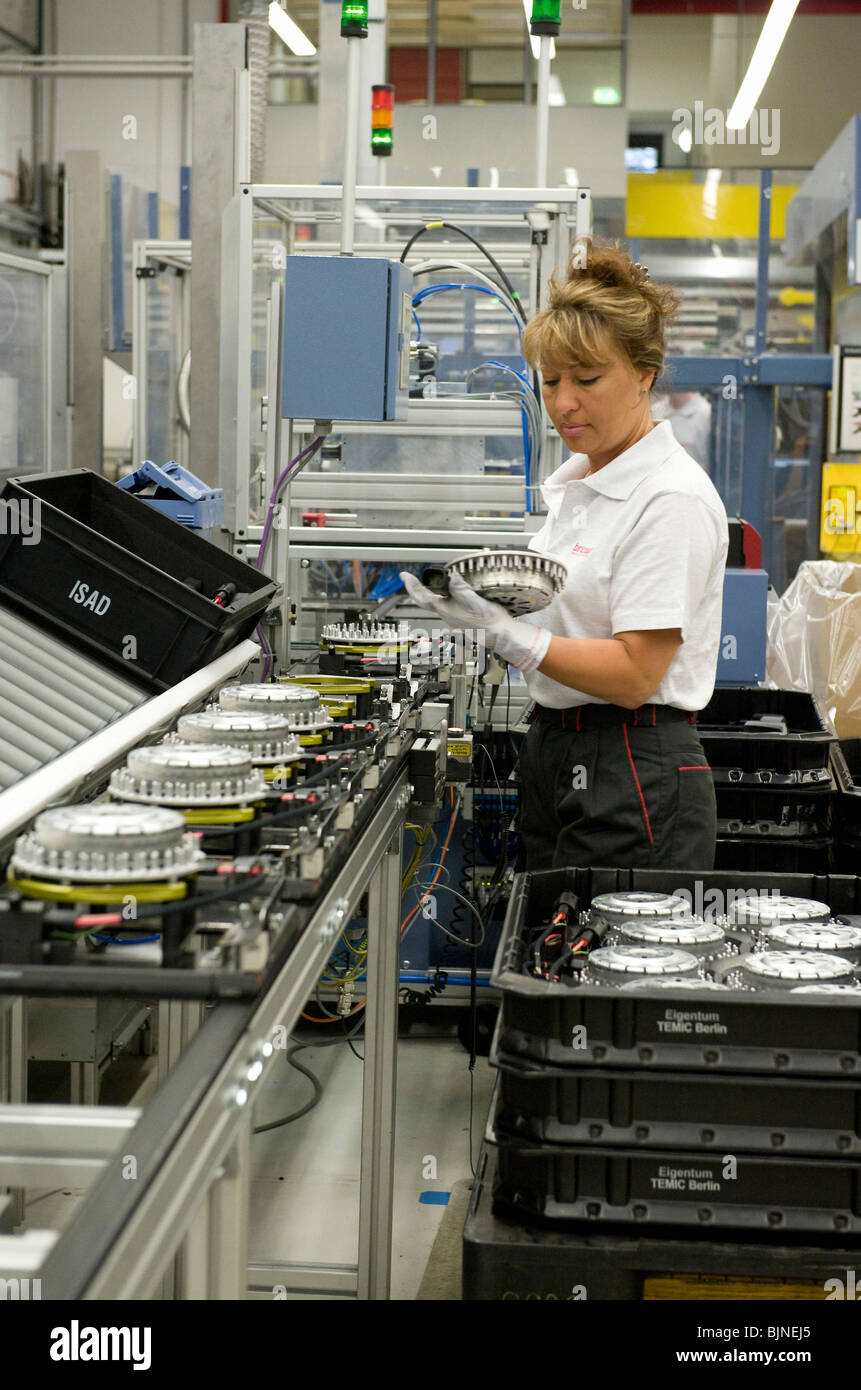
527, 399
295, 464
504, 291
461, 231
564, 945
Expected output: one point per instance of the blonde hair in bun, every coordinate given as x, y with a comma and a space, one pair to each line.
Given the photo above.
603, 299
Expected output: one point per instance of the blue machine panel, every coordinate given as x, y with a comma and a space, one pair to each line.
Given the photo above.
743, 630
347, 326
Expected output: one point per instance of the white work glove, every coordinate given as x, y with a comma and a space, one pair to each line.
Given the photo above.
518, 643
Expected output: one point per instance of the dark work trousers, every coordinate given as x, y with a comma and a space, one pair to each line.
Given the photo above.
627, 789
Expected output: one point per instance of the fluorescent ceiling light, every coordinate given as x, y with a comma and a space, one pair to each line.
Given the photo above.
777, 21
710, 193
288, 30
557, 96
535, 39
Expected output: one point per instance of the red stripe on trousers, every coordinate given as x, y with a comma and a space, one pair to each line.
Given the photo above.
637, 781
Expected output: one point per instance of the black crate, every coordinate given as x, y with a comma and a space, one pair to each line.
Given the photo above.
776, 812
735, 746
508, 1258
591, 1026
123, 582
779, 815
721, 1113
846, 765
847, 852
670, 1188
775, 855
846, 757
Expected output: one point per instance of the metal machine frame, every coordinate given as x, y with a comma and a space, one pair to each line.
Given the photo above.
564, 212
180, 1228
147, 257
277, 201
56, 365
754, 375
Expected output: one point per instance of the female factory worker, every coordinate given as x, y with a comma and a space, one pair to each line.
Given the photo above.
612, 769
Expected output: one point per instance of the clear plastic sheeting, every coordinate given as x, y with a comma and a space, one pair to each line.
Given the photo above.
814, 640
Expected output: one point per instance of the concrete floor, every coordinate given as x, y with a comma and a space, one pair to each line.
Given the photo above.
305, 1178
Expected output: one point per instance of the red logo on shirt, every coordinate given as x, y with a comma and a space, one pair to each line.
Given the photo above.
582, 549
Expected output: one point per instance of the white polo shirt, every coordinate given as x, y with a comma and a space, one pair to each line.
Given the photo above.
645, 541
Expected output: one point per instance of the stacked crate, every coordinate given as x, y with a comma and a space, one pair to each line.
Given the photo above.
846, 766
769, 755
680, 1118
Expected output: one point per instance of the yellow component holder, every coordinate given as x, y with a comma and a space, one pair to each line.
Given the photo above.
220, 815
278, 774
102, 893
335, 685
339, 709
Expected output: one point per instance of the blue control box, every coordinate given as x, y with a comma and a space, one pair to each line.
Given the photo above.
741, 660
347, 322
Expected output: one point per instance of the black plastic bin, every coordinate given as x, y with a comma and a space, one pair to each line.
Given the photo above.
123, 582
589, 1026
799, 854
774, 811
734, 744
751, 1192
713, 1113
506, 1258
846, 765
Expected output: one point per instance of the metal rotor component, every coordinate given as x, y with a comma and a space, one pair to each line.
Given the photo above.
523, 581
107, 843
650, 983
807, 936
783, 969
621, 909
187, 775
827, 989
269, 738
756, 911
700, 938
359, 634
272, 697
616, 963
299, 705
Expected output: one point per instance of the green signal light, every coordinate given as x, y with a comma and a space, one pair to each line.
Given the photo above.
546, 17
381, 142
354, 20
